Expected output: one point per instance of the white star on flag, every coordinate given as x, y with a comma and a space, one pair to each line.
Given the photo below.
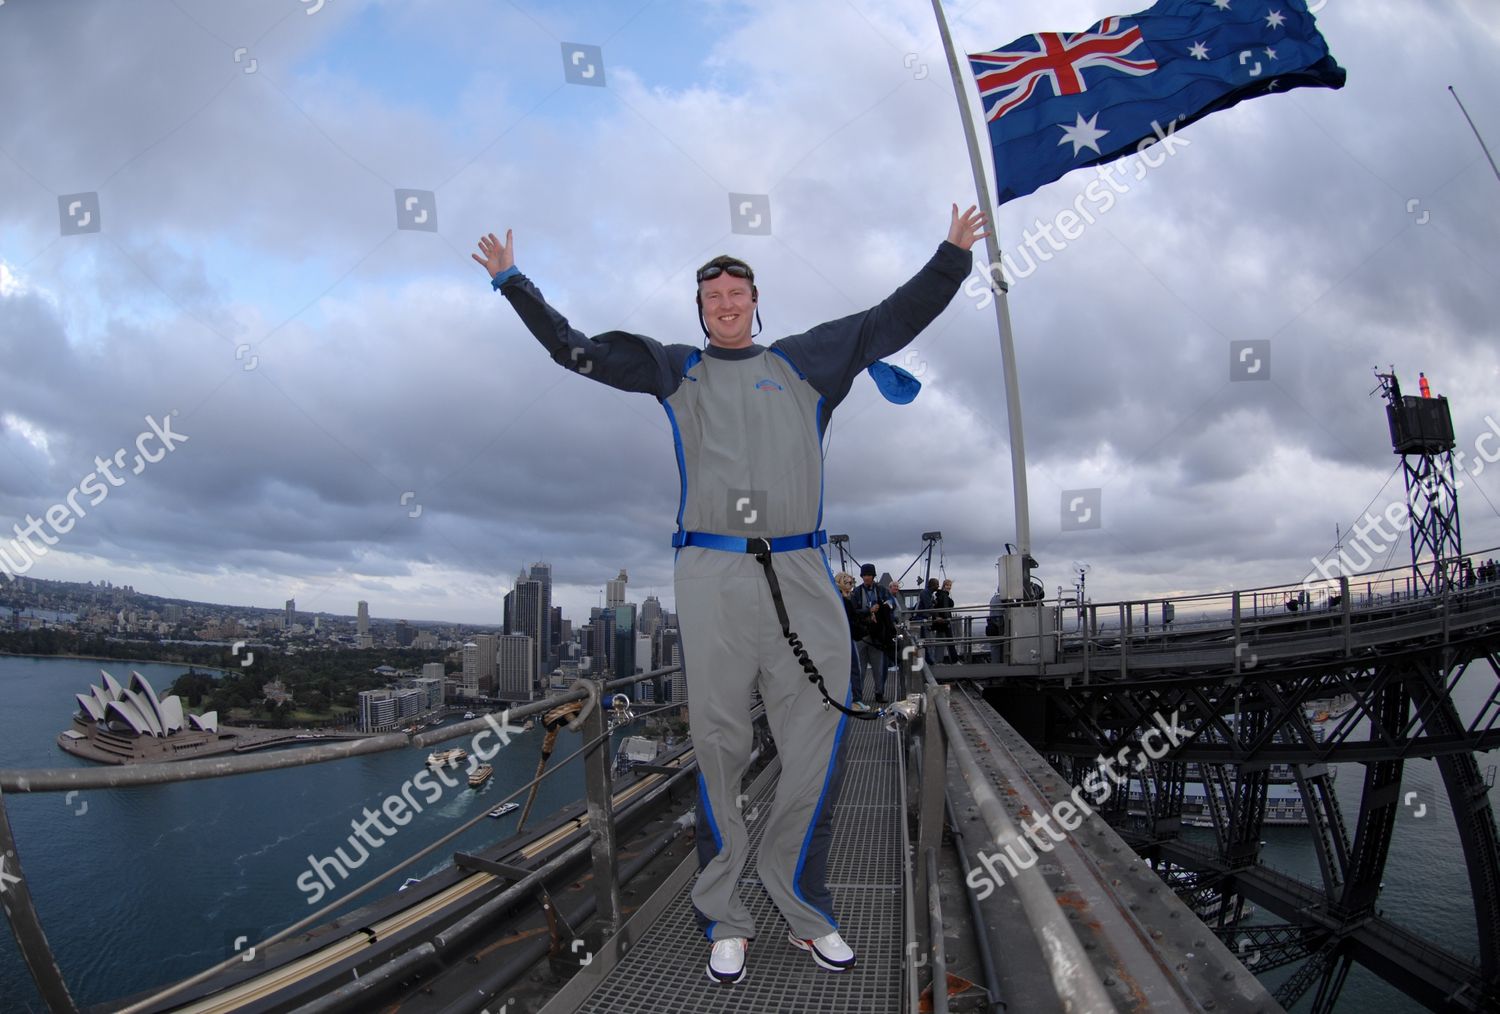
1275, 19
6, 879
1270, 53
1223, 5
1083, 134
1199, 51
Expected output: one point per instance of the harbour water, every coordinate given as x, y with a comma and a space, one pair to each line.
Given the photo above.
140, 887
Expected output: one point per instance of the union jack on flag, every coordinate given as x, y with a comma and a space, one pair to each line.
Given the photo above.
1059, 101
1060, 60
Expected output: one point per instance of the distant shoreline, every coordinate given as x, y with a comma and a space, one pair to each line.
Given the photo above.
107, 658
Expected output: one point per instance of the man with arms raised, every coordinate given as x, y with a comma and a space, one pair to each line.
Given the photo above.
748, 422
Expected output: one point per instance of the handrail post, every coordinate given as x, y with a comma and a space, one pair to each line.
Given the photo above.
1349, 618
596, 763
1234, 612
930, 792
935, 934
1085, 615
20, 913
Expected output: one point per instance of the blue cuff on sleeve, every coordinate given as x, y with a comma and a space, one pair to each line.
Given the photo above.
500, 279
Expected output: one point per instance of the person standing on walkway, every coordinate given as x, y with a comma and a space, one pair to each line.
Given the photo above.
748, 424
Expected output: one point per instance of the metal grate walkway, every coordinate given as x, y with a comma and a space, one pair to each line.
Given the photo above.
663, 971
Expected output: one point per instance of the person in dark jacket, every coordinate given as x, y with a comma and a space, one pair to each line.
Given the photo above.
942, 618
859, 625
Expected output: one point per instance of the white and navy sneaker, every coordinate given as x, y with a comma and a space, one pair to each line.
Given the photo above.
727, 963
829, 952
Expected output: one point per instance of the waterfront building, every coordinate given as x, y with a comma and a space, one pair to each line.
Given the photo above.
378, 710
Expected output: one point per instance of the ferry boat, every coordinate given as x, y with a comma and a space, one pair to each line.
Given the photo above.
446, 758
468, 715
505, 808
480, 775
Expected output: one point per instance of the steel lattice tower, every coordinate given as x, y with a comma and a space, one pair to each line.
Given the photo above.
1422, 433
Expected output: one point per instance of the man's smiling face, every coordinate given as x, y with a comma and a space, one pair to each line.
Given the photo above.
728, 310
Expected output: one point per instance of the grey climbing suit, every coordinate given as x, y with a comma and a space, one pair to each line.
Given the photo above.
747, 429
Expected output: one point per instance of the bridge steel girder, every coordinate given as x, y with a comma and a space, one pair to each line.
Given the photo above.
1402, 709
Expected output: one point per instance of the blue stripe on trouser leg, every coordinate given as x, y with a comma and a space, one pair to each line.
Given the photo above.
709, 844
812, 866
794, 843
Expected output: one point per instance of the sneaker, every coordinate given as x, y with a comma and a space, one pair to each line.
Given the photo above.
829, 952
727, 963
859, 706
880, 699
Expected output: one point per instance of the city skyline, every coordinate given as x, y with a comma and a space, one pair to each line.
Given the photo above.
359, 416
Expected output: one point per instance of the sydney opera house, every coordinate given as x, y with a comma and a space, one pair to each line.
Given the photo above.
123, 724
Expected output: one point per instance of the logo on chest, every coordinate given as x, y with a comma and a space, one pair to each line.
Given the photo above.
767, 384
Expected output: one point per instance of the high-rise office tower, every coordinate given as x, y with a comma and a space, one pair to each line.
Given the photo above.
469, 685
291, 613
601, 640
651, 616
479, 665
515, 673
527, 615
542, 574
623, 660
362, 620
614, 591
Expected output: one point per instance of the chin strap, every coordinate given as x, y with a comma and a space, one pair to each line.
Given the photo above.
813, 676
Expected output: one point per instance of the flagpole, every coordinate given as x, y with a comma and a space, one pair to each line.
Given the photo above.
1476, 132
1014, 576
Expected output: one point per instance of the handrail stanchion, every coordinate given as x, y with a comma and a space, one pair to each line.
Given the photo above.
933, 778
1234, 612
1084, 616
935, 935
600, 794
20, 913
1349, 617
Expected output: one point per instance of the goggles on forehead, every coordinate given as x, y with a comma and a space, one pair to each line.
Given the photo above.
713, 271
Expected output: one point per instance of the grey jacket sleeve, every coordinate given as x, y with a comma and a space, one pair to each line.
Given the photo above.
833, 354
628, 362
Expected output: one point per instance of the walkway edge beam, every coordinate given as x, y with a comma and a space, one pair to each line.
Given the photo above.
1073, 975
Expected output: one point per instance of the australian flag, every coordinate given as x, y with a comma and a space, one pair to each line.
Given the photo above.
1057, 102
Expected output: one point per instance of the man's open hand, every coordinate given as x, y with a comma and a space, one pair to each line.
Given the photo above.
497, 256
967, 228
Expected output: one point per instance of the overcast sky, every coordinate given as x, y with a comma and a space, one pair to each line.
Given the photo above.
248, 275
